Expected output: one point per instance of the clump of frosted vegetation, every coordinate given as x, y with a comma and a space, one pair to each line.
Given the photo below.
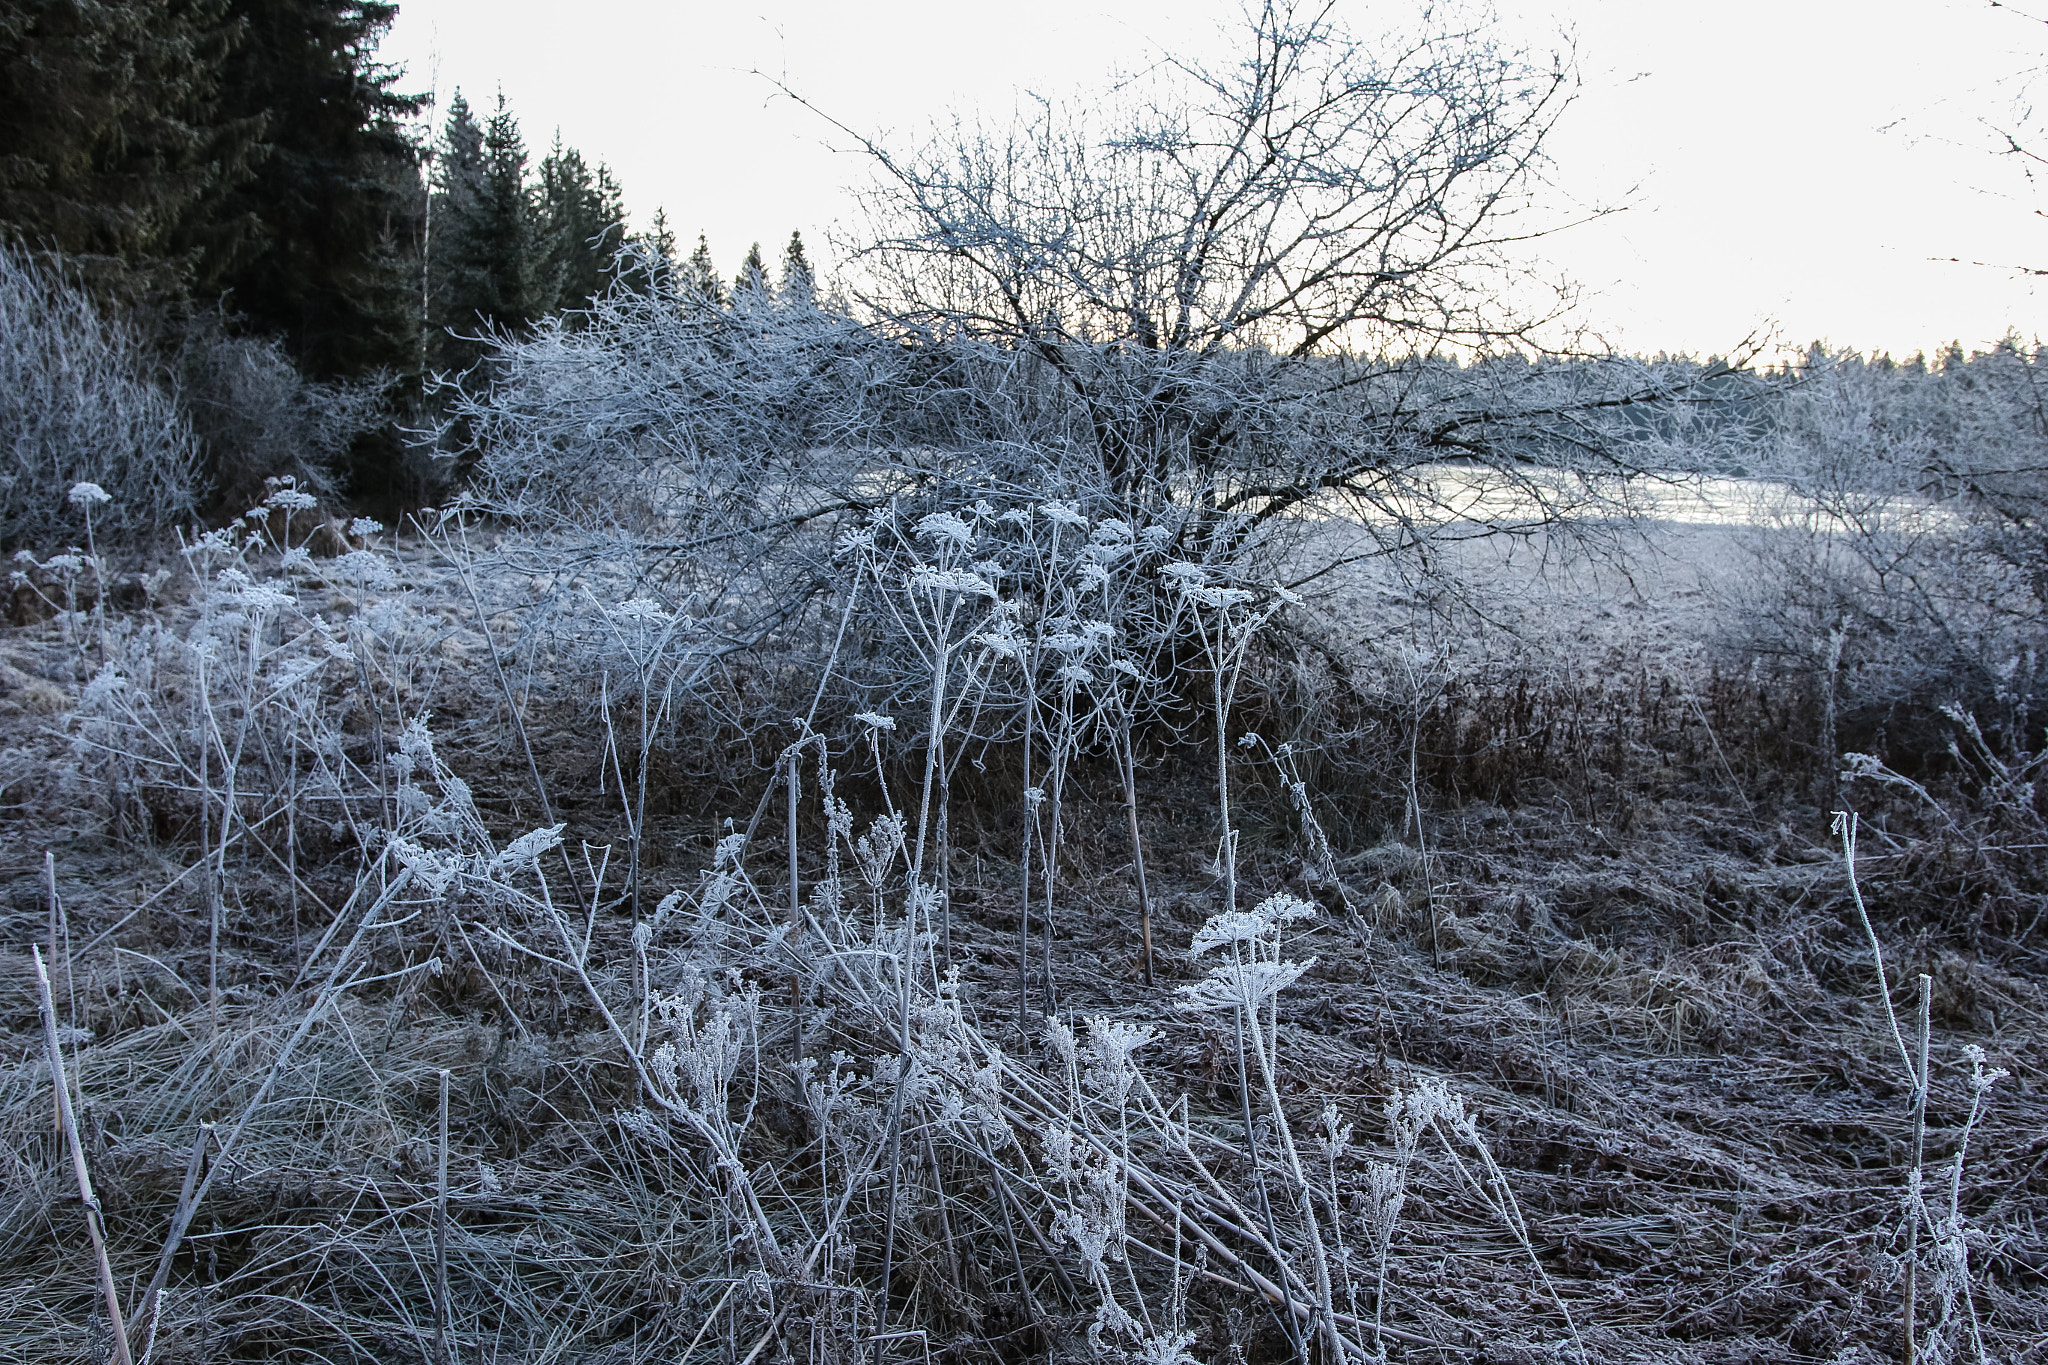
82, 400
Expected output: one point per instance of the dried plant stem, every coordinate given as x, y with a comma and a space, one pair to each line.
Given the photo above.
68, 1129
441, 1234
59, 937
945, 846
291, 836
1128, 763
181, 1210
796, 907
1024, 891
1845, 826
904, 1065
1267, 1042
50, 889
210, 883
1908, 1309
1251, 1151
512, 707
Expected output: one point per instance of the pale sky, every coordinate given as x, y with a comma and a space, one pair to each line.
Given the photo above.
1805, 167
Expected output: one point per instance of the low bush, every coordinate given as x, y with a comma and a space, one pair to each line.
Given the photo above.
83, 399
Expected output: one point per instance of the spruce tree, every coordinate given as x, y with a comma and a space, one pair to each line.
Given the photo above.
799, 284
113, 147
651, 267
700, 283
334, 208
751, 284
581, 227
456, 285
506, 223
484, 271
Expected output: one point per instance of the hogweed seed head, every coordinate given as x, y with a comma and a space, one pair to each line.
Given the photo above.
946, 526
1063, 513
1003, 643
1240, 985
1217, 599
950, 580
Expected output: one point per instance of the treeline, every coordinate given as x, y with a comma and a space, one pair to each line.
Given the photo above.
508, 245
251, 151
245, 182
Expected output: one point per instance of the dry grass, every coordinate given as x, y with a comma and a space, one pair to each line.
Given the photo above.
1604, 914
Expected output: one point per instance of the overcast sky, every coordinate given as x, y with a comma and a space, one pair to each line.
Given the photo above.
1809, 167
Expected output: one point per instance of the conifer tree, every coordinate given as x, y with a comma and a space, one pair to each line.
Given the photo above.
484, 271
333, 208
505, 225
651, 268
700, 283
113, 148
799, 284
456, 288
581, 227
751, 284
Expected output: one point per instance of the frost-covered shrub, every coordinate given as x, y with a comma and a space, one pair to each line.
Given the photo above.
255, 417
655, 410
81, 401
1907, 569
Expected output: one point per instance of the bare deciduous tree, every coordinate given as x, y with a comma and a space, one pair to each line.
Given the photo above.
1211, 239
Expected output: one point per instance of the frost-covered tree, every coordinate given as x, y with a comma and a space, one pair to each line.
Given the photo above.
1197, 306
1239, 277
